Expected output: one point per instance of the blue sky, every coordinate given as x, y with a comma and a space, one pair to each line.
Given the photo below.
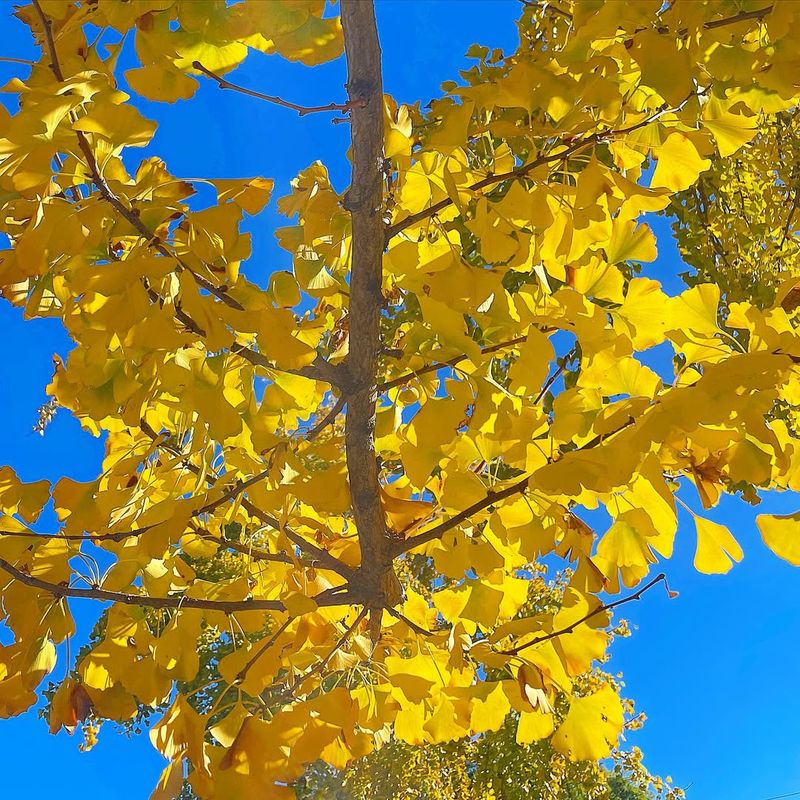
715, 669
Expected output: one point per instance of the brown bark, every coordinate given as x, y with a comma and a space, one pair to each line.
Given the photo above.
364, 202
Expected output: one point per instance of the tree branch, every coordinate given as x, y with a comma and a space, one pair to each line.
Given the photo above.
318, 554
231, 494
403, 545
255, 553
263, 649
512, 651
437, 365
319, 370
47, 27
252, 552
79, 537
224, 83
323, 558
400, 546
571, 148
326, 598
328, 419
742, 16
320, 665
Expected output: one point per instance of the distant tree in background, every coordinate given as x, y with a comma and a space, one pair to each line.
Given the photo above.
494, 767
737, 225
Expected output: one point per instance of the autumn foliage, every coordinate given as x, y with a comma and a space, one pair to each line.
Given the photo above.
329, 508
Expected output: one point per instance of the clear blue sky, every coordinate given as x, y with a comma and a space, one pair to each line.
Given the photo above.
715, 669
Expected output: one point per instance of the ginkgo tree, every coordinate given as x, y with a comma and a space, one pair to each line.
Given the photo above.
737, 225
344, 483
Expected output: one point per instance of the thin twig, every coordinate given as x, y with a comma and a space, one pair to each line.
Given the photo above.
23, 61
320, 665
742, 16
512, 651
255, 553
234, 492
224, 83
119, 536
789, 218
437, 365
263, 649
554, 377
318, 554
72, 190
413, 625
328, 419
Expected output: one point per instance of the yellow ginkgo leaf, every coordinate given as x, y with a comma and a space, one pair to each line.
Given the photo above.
70, 705
625, 546
592, 726
716, 547
445, 724
781, 533
679, 164
284, 289
161, 81
601, 280
631, 242
403, 514
695, 309
122, 125
41, 659
530, 370
730, 131
181, 732
398, 129
534, 726
299, 603
170, 782
489, 708
25, 499
533, 688
643, 314
250, 194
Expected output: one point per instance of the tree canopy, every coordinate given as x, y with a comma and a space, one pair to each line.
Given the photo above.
331, 508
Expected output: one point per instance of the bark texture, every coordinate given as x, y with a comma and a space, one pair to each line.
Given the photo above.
364, 202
